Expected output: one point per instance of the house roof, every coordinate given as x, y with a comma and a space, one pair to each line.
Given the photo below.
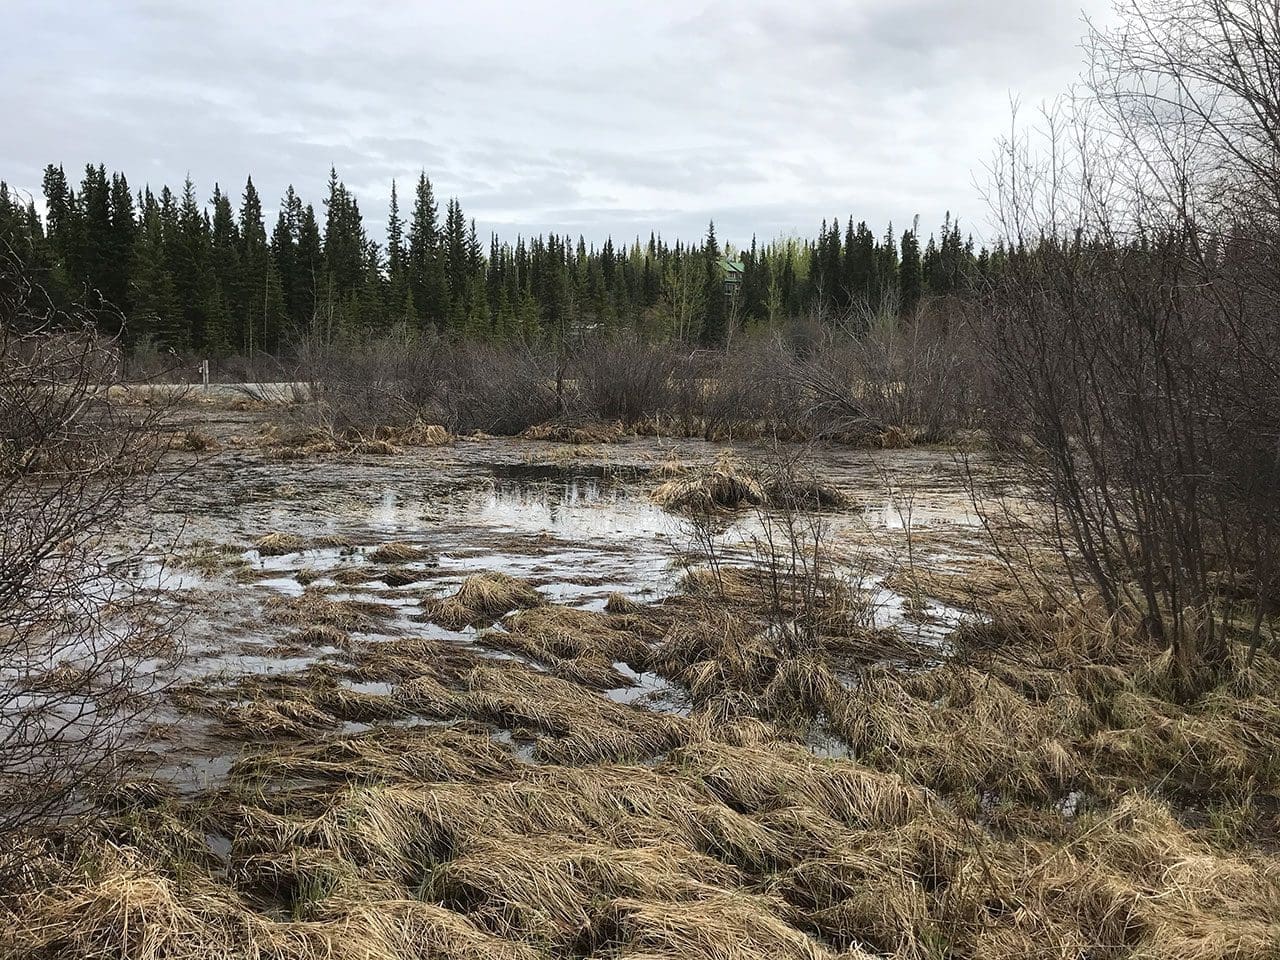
732, 268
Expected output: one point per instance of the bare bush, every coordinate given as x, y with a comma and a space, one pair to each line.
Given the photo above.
1132, 336
785, 559
390, 381
749, 393
499, 389
627, 380
907, 378
79, 635
396, 380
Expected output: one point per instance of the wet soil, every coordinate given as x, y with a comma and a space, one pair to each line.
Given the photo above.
577, 522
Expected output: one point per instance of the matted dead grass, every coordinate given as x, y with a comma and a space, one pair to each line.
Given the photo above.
481, 599
397, 552
278, 544
1032, 795
728, 485
725, 486
312, 608
576, 434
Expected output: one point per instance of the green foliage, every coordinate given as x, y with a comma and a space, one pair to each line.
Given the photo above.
191, 275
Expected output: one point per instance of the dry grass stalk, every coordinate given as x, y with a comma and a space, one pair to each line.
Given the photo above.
482, 598
725, 487
397, 552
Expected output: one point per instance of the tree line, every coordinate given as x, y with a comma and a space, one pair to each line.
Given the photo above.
184, 274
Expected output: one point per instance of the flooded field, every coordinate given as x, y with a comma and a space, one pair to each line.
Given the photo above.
256, 553
497, 698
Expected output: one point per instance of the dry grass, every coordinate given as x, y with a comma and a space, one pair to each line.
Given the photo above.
575, 433
313, 609
533, 817
376, 447
401, 576
419, 434
577, 644
279, 544
397, 552
196, 441
210, 558
726, 486
319, 635
481, 599
621, 604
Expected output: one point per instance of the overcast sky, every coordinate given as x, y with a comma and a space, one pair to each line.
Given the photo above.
577, 116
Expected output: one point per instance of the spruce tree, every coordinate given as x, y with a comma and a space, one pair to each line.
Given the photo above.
423, 261
187, 245
121, 237
715, 314
399, 297
254, 257
155, 312
910, 278
309, 272
225, 264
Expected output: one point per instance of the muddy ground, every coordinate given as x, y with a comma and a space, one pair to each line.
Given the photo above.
577, 522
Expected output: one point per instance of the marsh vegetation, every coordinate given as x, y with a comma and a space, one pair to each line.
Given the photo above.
945, 634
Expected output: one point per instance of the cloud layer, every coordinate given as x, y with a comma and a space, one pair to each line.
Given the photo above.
579, 117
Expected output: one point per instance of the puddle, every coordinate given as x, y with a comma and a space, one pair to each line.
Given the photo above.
650, 690
579, 531
378, 688
522, 749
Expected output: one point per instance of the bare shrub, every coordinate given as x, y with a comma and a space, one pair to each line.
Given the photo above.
79, 634
882, 377
748, 392
390, 381
1132, 335
628, 380
784, 563
399, 380
497, 389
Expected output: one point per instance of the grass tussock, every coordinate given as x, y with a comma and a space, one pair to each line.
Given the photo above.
575, 433
481, 599
211, 559
579, 644
196, 441
313, 609
397, 552
277, 544
376, 447
1036, 794
419, 434
726, 486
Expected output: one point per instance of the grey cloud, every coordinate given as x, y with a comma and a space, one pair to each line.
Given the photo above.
571, 116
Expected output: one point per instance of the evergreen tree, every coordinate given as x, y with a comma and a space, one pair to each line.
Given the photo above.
94, 241
187, 249
345, 243
155, 312
309, 271
910, 277
423, 262
228, 287
887, 266
715, 316
118, 253
255, 257
399, 298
